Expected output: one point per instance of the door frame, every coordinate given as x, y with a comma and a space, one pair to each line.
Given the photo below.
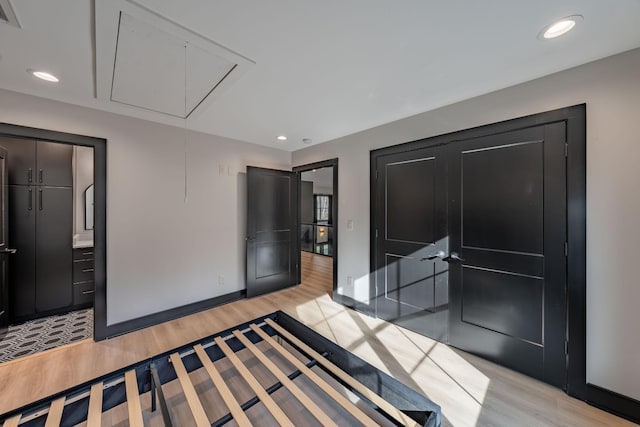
575, 118
334, 214
99, 145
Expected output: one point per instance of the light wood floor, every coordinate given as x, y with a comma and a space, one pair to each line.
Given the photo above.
471, 391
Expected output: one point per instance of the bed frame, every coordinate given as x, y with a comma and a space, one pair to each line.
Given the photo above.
331, 377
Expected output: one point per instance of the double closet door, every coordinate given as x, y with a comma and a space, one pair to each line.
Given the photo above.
470, 245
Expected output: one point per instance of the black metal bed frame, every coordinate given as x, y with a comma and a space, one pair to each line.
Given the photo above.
158, 370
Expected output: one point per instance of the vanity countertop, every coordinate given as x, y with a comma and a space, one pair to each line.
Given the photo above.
79, 244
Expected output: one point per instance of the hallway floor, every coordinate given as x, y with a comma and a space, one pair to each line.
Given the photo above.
38, 335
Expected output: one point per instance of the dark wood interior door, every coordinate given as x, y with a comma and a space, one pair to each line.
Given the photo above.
272, 230
508, 224
411, 244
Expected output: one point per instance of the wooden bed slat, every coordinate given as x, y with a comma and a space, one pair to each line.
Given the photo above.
356, 385
322, 384
229, 399
190, 392
13, 421
318, 413
264, 397
55, 413
133, 399
94, 415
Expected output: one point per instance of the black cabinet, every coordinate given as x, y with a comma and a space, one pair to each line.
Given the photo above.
53, 163
21, 160
83, 282
38, 162
40, 207
54, 230
22, 237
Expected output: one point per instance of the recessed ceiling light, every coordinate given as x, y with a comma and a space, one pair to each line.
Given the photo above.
560, 27
282, 138
44, 76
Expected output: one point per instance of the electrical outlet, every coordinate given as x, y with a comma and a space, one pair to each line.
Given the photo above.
350, 225
221, 170
220, 280
350, 281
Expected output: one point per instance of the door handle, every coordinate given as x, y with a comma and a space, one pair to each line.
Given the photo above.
453, 257
439, 254
30, 199
30, 175
40, 175
8, 251
40, 199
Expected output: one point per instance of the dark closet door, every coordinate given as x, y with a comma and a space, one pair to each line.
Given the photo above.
22, 235
54, 258
54, 164
508, 225
272, 224
411, 275
21, 160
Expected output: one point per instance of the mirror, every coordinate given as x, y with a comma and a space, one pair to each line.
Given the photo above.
88, 208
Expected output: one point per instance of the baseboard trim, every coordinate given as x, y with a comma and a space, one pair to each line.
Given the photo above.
613, 402
353, 304
171, 314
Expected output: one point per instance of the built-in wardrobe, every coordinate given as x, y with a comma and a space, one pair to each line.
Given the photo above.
40, 223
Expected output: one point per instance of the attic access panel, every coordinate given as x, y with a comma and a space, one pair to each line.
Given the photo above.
159, 71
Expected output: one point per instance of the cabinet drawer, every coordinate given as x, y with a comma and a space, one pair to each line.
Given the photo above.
82, 253
83, 271
83, 293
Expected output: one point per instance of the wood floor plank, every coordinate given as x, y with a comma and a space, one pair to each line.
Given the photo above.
397, 414
322, 384
472, 392
189, 392
13, 421
55, 413
94, 415
227, 396
264, 397
311, 406
133, 399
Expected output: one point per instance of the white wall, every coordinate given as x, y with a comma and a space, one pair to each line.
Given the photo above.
611, 89
162, 252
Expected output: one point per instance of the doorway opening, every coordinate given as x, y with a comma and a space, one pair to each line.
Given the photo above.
318, 214
53, 240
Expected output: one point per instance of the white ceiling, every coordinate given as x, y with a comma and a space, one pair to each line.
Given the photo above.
320, 69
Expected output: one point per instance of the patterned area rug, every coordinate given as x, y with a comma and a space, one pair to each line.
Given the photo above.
46, 333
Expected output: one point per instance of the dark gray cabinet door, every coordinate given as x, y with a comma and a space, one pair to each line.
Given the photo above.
411, 275
54, 256
272, 224
4, 293
54, 164
22, 235
21, 160
4, 249
508, 223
